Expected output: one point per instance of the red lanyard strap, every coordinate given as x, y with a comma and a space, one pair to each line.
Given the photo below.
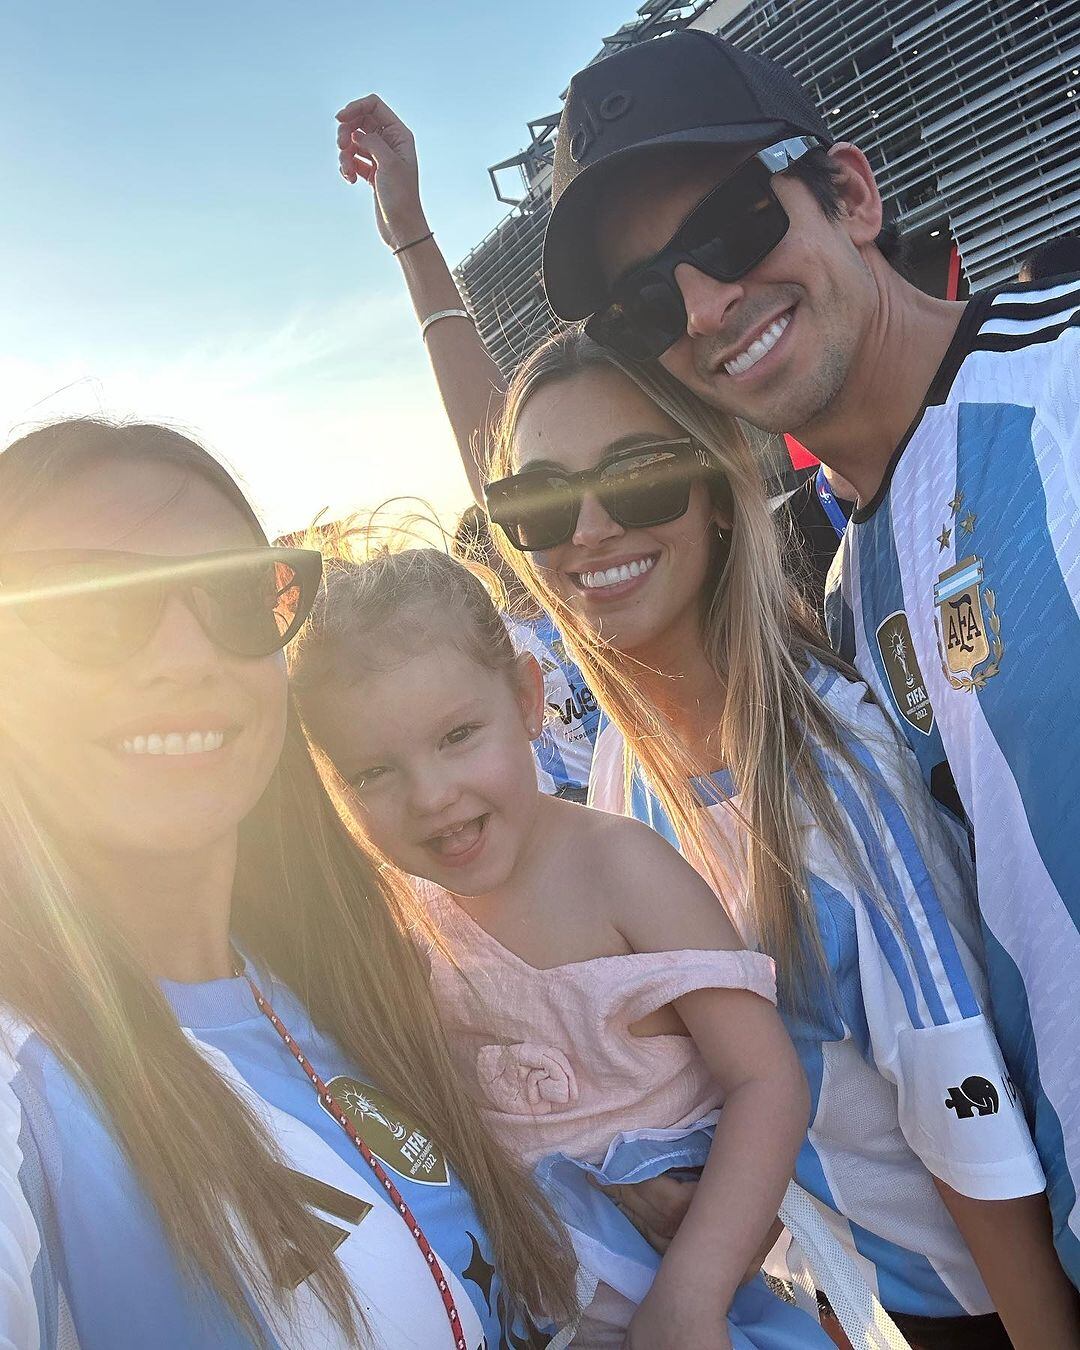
327, 1098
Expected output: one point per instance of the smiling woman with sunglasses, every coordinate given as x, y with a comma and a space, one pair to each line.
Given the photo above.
739, 736
227, 1112
637, 517
645, 485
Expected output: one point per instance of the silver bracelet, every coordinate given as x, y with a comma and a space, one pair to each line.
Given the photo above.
443, 314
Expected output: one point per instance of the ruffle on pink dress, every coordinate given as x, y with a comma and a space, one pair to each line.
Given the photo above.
549, 1054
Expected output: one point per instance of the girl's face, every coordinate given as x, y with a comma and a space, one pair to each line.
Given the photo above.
72, 733
437, 752
573, 424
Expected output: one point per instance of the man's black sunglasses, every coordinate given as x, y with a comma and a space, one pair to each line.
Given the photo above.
648, 485
729, 232
99, 607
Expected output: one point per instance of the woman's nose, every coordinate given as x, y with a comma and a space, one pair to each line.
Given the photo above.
178, 649
594, 525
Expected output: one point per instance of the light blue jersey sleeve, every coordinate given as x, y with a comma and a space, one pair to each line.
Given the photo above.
920, 984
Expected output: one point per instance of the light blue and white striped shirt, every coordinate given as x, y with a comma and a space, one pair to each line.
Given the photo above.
84, 1261
960, 603
905, 1075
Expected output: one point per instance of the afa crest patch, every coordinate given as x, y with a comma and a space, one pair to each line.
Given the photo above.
969, 638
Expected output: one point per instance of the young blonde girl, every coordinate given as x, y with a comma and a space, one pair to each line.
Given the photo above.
590, 984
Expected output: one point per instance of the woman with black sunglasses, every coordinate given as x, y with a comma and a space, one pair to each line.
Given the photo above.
637, 516
227, 1112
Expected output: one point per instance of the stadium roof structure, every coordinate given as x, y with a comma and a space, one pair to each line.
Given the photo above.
969, 111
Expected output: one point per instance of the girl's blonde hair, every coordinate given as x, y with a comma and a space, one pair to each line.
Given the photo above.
759, 637
388, 603
308, 904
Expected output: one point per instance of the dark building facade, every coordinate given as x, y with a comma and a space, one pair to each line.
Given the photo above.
969, 111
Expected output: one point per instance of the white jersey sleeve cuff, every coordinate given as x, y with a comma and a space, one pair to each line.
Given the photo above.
959, 1111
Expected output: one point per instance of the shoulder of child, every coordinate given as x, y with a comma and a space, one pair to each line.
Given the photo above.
622, 845
655, 898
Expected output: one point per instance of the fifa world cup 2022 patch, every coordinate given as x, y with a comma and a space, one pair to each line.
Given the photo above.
902, 668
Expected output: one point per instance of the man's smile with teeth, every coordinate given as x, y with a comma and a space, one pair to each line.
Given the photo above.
761, 346
612, 576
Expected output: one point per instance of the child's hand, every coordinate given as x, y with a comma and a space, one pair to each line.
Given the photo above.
655, 1207
677, 1314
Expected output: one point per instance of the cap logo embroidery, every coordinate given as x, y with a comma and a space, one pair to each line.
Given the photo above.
593, 119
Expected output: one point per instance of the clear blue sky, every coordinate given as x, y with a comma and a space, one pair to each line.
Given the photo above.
176, 241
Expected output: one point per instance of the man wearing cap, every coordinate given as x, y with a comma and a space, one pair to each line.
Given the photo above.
704, 217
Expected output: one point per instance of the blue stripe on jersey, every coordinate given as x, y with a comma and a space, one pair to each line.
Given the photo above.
846, 1011
1022, 569
921, 1286
1007, 988
551, 761
923, 885
822, 679
884, 595
645, 806
889, 887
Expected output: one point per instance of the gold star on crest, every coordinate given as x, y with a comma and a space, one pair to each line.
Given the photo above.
968, 523
956, 503
944, 538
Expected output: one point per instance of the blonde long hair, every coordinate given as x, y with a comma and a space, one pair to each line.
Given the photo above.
308, 904
759, 637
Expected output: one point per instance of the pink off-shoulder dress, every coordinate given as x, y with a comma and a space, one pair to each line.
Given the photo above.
549, 1054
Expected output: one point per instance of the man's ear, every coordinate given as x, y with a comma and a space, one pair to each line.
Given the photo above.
861, 209
529, 682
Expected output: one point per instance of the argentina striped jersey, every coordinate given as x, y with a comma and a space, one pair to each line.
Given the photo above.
84, 1261
959, 590
905, 1076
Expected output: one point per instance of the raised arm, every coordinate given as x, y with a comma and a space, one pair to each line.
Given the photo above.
375, 144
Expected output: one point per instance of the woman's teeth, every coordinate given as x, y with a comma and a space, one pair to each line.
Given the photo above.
758, 348
173, 743
613, 575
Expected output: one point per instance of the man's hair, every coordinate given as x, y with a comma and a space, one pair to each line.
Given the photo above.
1055, 258
822, 176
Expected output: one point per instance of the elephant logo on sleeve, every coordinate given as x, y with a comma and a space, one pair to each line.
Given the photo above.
976, 1096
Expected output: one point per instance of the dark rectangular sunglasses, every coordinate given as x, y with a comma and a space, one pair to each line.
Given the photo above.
726, 235
99, 607
649, 485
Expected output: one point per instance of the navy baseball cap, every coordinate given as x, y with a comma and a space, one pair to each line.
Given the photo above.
688, 88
